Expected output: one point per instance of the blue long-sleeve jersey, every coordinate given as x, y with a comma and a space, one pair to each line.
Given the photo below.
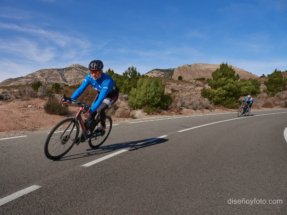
104, 85
248, 100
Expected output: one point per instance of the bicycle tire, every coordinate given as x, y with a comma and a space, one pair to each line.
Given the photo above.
247, 113
240, 111
62, 146
97, 140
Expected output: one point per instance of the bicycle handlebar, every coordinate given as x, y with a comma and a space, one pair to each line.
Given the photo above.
82, 104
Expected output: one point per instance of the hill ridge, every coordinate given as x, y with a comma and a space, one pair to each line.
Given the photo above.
75, 73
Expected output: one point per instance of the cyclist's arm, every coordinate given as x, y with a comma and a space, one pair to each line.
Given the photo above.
80, 89
106, 88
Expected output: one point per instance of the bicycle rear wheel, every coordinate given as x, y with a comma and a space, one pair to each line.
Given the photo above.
247, 112
98, 138
61, 138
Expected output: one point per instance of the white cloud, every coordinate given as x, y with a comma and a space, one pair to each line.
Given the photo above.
32, 45
14, 13
57, 38
26, 49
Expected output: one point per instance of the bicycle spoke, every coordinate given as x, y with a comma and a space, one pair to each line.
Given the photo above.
61, 138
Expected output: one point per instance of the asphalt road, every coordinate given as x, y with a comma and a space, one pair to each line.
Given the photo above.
209, 164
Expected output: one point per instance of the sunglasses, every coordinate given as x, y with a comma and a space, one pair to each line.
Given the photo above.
94, 71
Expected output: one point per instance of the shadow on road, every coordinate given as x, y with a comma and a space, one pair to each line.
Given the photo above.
251, 114
131, 146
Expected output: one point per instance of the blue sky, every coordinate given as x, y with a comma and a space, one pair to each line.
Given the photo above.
147, 34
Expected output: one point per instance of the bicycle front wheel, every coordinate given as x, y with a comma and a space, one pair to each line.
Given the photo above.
240, 111
98, 138
61, 138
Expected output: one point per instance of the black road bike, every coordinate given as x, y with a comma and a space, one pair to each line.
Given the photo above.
66, 133
244, 110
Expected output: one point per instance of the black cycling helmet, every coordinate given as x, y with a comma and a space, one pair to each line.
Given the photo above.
96, 65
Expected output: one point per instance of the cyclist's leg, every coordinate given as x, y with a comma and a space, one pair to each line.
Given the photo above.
245, 107
90, 121
250, 105
102, 111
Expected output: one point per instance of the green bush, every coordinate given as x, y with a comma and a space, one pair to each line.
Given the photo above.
251, 87
35, 85
56, 87
275, 82
149, 95
53, 106
127, 81
226, 87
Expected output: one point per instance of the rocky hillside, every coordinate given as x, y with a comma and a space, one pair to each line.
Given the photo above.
74, 74
161, 73
196, 71
71, 75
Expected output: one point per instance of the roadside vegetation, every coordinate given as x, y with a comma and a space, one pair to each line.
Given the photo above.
276, 82
223, 89
143, 92
226, 87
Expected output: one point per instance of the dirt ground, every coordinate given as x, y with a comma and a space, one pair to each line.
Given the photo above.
25, 115
17, 117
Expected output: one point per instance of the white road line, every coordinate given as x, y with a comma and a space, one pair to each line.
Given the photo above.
18, 194
285, 134
227, 120
154, 119
157, 119
204, 125
8, 138
163, 136
105, 158
118, 152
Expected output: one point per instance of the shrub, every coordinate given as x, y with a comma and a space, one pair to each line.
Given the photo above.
127, 81
251, 87
149, 95
35, 85
226, 87
275, 83
56, 87
53, 106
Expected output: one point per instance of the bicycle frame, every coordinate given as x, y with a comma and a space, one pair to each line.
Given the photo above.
79, 117
246, 107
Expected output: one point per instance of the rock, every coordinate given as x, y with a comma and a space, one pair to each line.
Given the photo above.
122, 112
5, 96
138, 114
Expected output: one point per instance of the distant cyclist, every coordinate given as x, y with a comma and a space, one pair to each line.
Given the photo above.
107, 94
248, 101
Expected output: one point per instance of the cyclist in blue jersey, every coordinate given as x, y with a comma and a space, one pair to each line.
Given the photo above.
248, 100
107, 93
